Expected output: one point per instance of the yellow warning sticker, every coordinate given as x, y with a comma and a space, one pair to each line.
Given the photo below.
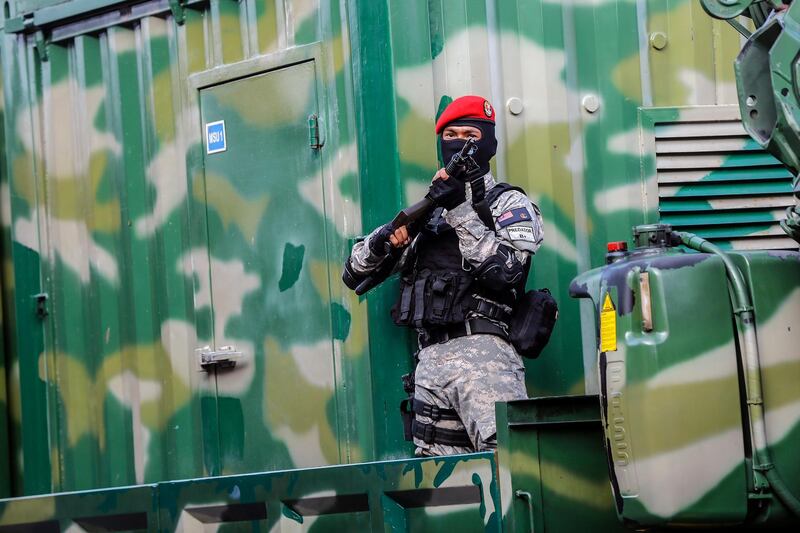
608, 326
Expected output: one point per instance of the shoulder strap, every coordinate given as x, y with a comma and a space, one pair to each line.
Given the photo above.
484, 213
494, 193
483, 206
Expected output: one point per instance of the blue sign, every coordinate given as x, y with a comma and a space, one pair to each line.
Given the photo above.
215, 137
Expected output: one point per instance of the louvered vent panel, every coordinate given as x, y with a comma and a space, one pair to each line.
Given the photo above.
715, 181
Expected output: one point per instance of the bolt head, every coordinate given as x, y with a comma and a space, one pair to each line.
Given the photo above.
514, 105
591, 103
658, 40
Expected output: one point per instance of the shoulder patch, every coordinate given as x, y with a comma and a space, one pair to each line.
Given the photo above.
520, 214
521, 233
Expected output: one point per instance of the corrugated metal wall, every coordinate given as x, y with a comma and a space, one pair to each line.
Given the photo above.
102, 128
104, 213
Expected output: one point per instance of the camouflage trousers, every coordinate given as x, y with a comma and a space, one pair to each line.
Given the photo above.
468, 374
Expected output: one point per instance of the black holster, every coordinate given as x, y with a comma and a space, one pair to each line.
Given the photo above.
406, 405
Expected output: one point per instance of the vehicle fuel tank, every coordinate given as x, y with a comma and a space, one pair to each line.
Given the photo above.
672, 387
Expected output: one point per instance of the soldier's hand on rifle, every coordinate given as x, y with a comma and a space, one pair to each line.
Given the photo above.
441, 174
380, 240
445, 191
400, 237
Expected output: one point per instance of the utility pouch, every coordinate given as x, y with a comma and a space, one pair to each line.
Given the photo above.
441, 296
403, 309
431, 300
534, 317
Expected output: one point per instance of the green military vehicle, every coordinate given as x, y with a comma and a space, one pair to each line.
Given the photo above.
181, 180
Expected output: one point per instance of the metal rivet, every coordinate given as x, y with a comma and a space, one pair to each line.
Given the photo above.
590, 103
658, 40
514, 105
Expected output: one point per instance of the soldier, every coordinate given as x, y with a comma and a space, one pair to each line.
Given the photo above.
462, 269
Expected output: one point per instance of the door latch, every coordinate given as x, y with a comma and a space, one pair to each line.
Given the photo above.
41, 305
225, 357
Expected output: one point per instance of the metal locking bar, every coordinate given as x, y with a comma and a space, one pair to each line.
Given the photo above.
225, 357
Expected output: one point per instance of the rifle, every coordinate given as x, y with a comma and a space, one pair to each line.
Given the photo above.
461, 163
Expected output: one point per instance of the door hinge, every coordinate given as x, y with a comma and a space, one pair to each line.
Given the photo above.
41, 305
314, 140
225, 357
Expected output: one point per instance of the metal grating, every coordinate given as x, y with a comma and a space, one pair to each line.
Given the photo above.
715, 181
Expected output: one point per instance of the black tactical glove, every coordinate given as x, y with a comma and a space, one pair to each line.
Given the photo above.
379, 242
447, 193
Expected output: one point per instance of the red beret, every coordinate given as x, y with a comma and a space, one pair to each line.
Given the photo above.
474, 107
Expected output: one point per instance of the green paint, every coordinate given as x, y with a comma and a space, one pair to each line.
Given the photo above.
348, 186
341, 320
476, 480
289, 513
292, 265
417, 473
444, 473
381, 198
394, 515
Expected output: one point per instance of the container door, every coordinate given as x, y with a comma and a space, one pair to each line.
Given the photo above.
266, 276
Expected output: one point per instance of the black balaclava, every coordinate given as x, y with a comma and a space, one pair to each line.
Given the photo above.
487, 144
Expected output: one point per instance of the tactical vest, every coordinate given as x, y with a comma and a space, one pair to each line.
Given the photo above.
438, 287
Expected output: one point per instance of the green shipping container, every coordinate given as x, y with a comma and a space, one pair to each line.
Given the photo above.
182, 181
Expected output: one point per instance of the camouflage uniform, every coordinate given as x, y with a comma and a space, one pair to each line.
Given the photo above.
469, 374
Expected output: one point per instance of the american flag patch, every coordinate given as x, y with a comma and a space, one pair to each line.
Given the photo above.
519, 214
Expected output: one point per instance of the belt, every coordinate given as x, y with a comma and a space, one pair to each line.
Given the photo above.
434, 412
489, 309
431, 434
472, 326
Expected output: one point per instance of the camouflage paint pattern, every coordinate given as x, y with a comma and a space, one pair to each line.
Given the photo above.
109, 211
411, 495
552, 467
672, 406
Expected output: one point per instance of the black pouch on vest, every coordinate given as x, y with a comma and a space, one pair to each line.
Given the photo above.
534, 317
